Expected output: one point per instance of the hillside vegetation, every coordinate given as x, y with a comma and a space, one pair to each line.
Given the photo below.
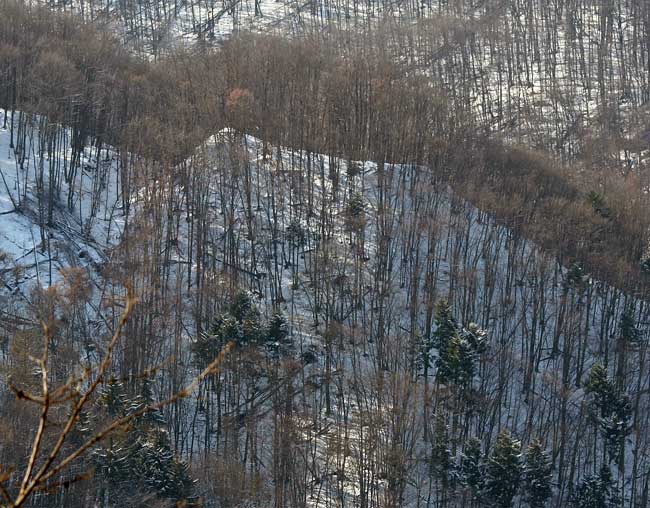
406, 258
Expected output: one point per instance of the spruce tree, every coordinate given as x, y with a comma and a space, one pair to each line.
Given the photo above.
459, 348
596, 491
611, 409
456, 363
537, 476
503, 471
242, 306
446, 326
476, 337
627, 327
355, 212
446, 329
576, 277
278, 329
241, 323
441, 465
141, 456
470, 470
277, 337
600, 389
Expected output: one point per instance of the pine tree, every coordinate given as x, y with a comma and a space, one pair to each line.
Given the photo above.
537, 476
159, 468
356, 205
503, 471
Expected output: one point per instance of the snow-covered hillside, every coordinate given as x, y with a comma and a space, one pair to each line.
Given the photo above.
356, 255
54, 215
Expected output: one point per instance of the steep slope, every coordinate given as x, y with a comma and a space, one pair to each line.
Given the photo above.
356, 255
54, 215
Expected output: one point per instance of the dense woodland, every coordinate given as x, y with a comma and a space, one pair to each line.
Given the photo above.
331, 254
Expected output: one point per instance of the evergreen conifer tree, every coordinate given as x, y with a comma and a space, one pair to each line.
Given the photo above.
471, 467
446, 326
441, 464
503, 471
596, 491
537, 476
140, 457
458, 348
611, 410
456, 363
627, 327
